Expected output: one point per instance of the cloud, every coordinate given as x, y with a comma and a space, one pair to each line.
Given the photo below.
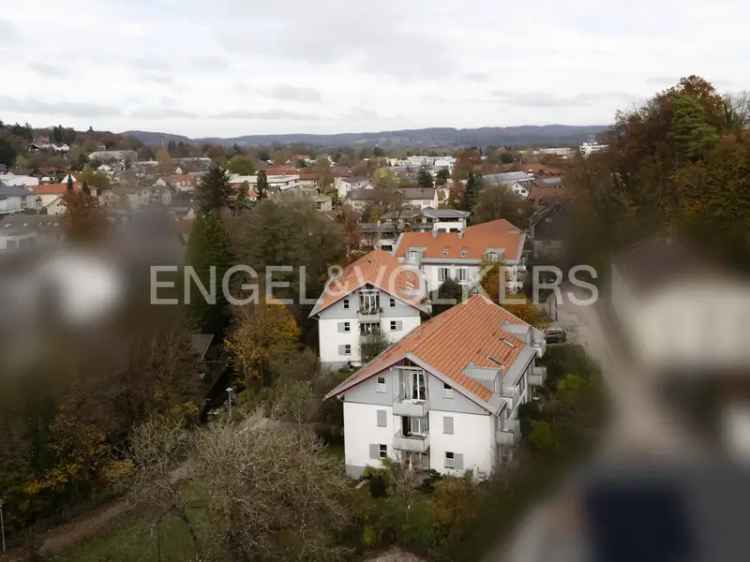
8, 32
208, 63
162, 113
287, 92
271, 114
552, 99
48, 70
68, 108
477, 76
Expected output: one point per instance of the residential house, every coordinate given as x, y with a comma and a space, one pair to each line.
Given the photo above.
114, 156
19, 180
589, 148
375, 295
14, 199
446, 397
550, 228
49, 198
346, 184
519, 183
360, 199
461, 255
22, 232
183, 183
419, 197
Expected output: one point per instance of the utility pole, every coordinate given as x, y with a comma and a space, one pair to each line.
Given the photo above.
230, 391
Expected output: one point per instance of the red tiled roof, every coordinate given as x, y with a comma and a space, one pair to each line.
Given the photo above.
470, 333
53, 189
281, 171
474, 243
379, 269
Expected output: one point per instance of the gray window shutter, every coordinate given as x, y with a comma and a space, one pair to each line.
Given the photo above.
374, 451
447, 425
458, 459
400, 324
342, 350
382, 422
340, 326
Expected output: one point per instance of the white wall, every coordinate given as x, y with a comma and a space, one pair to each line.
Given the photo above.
361, 429
473, 437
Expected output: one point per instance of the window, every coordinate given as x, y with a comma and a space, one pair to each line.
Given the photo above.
382, 418
396, 325
369, 328
493, 257
380, 386
347, 326
369, 303
447, 390
346, 303
412, 256
347, 349
382, 450
393, 302
448, 425
450, 460
442, 274
462, 273
418, 426
413, 384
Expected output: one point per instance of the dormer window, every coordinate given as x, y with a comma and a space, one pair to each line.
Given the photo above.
464, 252
444, 252
493, 257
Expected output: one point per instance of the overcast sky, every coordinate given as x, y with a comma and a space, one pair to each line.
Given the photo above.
231, 67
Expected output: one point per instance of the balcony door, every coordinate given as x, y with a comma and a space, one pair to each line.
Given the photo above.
369, 302
413, 384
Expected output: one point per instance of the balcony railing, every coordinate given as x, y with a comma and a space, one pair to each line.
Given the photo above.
508, 432
411, 408
413, 443
369, 313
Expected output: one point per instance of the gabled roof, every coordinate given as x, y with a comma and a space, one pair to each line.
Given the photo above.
473, 243
379, 269
52, 189
418, 192
472, 334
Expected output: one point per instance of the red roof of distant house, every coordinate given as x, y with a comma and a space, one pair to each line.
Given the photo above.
379, 269
308, 174
468, 334
281, 171
472, 244
53, 188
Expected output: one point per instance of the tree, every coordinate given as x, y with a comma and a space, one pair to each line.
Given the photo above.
372, 345
8, 152
84, 221
241, 165
261, 186
213, 192
451, 293
499, 202
273, 493
263, 332
471, 193
693, 135
424, 178
209, 248
441, 178
93, 178
166, 164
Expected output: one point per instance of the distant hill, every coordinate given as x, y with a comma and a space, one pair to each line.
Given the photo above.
434, 137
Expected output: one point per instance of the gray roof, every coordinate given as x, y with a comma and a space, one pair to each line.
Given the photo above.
12, 191
551, 182
507, 178
418, 192
445, 213
363, 195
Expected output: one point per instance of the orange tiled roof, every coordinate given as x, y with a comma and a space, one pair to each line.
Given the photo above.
379, 269
467, 334
474, 243
52, 188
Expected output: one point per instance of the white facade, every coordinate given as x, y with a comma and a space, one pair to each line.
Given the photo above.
455, 434
467, 274
341, 325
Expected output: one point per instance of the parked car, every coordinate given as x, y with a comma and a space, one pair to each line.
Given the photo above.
555, 334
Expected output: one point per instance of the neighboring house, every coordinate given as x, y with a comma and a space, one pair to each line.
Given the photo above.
589, 148
446, 396
460, 255
183, 183
408, 218
360, 199
519, 183
420, 197
21, 181
114, 156
549, 231
374, 295
346, 184
680, 313
14, 199
49, 197
446, 220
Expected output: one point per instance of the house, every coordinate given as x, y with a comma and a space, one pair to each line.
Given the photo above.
114, 156
446, 396
360, 199
375, 295
461, 255
550, 228
420, 197
22, 232
680, 313
393, 223
22, 181
345, 184
589, 148
183, 183
49, 198
14, 199
519, 183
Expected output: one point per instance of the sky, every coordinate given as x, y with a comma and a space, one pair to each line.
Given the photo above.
233, 67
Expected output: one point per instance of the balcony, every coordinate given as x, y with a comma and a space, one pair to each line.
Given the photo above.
368, 314
508, 432
411, 408
513, 394
538, 376
413, 443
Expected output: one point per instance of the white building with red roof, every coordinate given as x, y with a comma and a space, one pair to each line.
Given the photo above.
461, 255
446, 396
376, 295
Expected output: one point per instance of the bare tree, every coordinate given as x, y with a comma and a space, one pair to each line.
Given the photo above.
273, 494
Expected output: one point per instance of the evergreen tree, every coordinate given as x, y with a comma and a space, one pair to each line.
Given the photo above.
693, 135
213, 191
209, 247
424, 178
261, 187
471, 194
